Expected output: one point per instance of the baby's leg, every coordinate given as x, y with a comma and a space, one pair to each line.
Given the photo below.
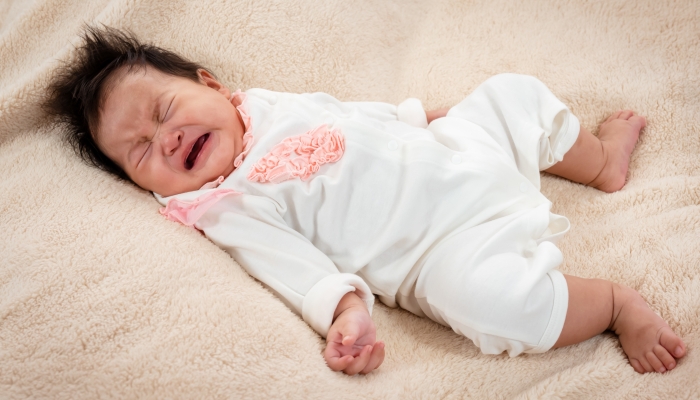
601, 162
597, 305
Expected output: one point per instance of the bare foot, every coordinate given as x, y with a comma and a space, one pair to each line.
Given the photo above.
618, 135
648, 341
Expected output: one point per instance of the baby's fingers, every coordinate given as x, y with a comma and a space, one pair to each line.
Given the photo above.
339, 363
360, 362
376, 358
348, 340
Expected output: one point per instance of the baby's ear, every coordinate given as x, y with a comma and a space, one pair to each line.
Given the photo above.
206, 78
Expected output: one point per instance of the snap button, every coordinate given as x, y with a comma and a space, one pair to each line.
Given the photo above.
456, 159
523, 187
392, 145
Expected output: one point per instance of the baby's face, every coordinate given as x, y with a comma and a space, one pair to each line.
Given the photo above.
170, 134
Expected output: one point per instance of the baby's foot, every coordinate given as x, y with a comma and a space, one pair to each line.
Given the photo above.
618, 136
648, 341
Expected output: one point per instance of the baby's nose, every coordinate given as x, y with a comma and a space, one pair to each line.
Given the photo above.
171, 141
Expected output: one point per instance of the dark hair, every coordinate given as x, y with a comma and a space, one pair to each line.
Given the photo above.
77, 92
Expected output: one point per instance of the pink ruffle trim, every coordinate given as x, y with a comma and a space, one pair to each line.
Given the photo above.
240, 101
313, 149
213, 184
189, 212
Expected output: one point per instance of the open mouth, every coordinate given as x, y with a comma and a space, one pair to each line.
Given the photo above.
194, 152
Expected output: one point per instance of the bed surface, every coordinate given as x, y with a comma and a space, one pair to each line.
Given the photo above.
100, 296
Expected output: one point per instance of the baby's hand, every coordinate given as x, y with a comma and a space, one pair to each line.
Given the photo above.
351, 344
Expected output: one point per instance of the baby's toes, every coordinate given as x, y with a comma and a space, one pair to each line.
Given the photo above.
626, 114
644, 365
637, 365
613, 116
672, 343
655, 363
665, 357
638, 121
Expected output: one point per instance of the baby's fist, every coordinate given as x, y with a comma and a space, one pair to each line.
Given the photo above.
351, 344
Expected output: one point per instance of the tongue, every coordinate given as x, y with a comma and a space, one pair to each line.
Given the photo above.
189, 163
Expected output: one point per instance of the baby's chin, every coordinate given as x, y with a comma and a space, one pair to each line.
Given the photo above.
183, 187
201, 184
198, 180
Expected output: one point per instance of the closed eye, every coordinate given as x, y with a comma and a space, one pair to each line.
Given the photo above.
146, 146
148, 142
168, 110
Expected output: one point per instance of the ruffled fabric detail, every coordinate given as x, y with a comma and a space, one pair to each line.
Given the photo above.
213, 184
240, 101
189, 212
312, 149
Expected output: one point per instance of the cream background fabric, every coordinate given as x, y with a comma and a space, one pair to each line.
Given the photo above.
99, 295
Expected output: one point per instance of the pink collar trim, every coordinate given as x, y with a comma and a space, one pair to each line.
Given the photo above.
189, 212
240, 101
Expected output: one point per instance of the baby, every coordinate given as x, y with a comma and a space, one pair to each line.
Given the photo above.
330, 203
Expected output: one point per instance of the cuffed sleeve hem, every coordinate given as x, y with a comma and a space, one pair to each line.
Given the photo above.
559, 309
411, 112
566, 142
321, 301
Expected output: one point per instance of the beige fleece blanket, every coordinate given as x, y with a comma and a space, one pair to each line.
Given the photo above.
100, 296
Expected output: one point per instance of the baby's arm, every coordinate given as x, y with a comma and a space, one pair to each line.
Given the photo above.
336, 305
351, 344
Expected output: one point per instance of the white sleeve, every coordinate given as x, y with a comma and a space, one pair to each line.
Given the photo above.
281, 258
409, 111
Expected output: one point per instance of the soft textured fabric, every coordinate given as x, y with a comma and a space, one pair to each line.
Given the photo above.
100, 296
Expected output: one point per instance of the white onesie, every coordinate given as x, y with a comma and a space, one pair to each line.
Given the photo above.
445, 220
